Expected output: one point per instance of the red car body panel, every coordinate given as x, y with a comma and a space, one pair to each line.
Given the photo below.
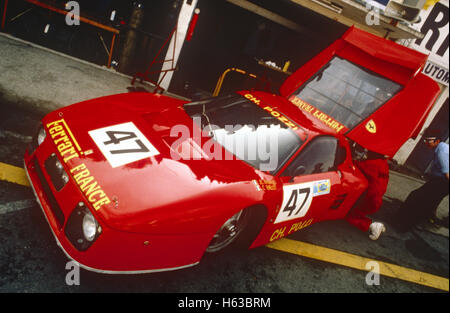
160, 212
188, 180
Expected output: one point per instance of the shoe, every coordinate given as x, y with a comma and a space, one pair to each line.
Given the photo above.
375, 230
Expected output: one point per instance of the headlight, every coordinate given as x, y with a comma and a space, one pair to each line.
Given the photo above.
41, 136
89, 226
82, 229
38, 138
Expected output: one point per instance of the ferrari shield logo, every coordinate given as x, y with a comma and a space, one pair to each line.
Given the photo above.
371, 127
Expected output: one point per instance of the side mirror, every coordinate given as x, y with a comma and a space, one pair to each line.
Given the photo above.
300, 170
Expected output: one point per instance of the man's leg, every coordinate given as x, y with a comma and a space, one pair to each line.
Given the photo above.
418, 205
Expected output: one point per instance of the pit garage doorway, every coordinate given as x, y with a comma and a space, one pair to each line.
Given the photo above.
228, 35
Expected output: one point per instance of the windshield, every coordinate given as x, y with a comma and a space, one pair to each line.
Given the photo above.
246, 130
346, 92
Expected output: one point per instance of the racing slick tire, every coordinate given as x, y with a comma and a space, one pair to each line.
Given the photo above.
239, 231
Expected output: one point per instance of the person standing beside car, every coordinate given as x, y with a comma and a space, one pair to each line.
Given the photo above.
421, 204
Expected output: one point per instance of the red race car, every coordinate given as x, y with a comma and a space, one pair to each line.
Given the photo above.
144, 182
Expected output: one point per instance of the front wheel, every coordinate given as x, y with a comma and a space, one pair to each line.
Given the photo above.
229, 232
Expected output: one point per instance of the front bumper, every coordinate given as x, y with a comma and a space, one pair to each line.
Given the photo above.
113, 251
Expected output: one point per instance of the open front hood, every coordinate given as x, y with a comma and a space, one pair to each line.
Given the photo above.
367, 88
123, 162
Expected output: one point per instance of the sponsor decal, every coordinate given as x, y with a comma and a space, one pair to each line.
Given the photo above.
265, 184
64, 140
322, 187
281, 232
318, 114
286, 121
69, 149
89, 186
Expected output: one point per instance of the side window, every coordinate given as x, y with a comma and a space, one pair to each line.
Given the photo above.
321, 155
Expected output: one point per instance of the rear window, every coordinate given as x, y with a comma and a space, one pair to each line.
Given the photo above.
347, 92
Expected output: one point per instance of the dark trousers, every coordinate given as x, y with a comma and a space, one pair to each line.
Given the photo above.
422, 203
